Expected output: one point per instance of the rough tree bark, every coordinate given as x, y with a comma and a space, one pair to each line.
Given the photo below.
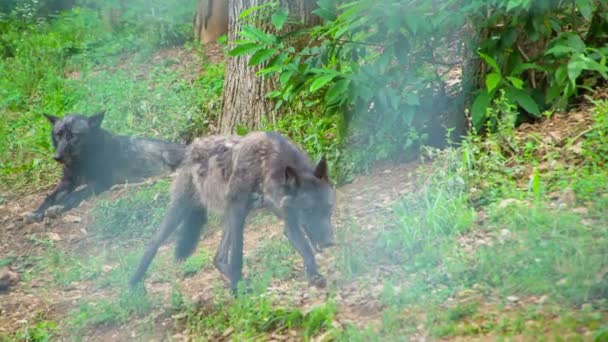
244, 99
473, 70
211, 20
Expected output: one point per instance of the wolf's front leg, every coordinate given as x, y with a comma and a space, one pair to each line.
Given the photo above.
74, 198
59, 193
235, 223
300, 243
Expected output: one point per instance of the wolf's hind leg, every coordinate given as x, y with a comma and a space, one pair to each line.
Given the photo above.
190, 233
182, 205
222, 256
171, 221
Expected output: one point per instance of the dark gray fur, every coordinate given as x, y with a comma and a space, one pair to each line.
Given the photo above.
98, 159
232, 175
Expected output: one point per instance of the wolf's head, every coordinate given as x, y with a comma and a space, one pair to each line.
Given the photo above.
311, 200
73, 132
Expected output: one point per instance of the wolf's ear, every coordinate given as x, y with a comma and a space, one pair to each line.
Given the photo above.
52, 119
321, 169
292, 179
96, 119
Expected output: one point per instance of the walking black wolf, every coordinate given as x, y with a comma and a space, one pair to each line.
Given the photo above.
232, 175
97, 159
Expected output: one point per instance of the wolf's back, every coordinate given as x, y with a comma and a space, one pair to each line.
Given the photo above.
145, 157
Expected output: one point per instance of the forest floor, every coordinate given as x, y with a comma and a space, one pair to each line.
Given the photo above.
366, 201
412, 262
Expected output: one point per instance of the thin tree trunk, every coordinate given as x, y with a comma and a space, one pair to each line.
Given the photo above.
211, 20
473, 70
244, 100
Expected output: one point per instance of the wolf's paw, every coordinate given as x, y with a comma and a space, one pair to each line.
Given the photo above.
317, 281
54, 211
34, 217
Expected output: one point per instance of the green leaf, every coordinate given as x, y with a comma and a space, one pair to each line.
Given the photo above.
278, 105
261, 56
553, 92
285, 76
336, 91
575, 42
511, 4
561, 74
492, 81
526, 66
478, 109
328, 14
255, 33
278, 19
248, 11
586, 8
320, 81
412, 99
575, 67
245, 49
275, 63
393, 98
408, 115
559, 50
523, 99
412, 22
516, 82
273, 94
490, 61
269, 70
591, 64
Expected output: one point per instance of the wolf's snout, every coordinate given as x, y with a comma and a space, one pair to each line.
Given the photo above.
57, 157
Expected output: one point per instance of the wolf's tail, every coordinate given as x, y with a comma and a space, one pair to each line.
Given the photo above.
190, 233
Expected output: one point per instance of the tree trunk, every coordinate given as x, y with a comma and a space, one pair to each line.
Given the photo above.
244, 101
211, 20
473, 71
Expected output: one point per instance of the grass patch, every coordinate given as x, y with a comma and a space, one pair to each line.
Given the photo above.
135, 215
254, 316
550, 253
66, 269
40, 332
275, 258
111, 311
196, 262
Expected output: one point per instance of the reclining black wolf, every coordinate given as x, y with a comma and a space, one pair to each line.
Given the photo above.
232, 175
97, 159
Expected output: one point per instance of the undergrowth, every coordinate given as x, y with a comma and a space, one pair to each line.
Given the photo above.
474, 234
